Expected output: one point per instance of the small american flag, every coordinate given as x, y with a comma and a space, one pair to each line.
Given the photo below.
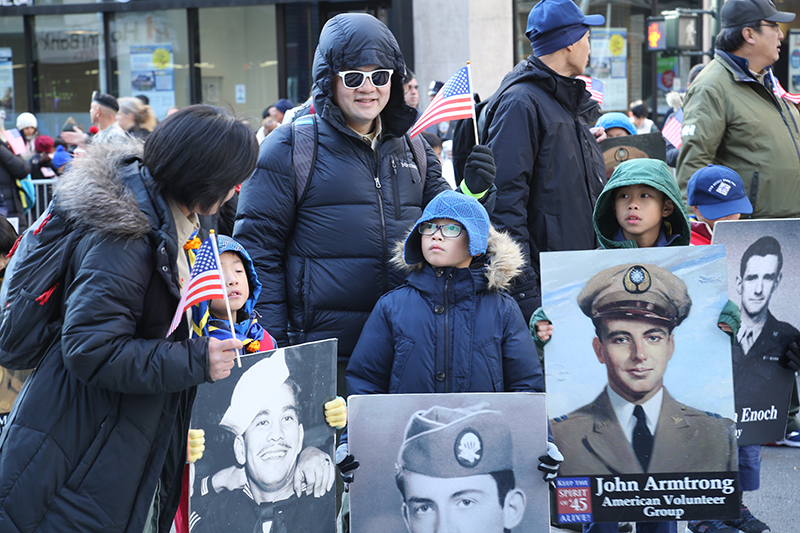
672, 129
595, 87
205, 282
453, 102
780, 92
15, 140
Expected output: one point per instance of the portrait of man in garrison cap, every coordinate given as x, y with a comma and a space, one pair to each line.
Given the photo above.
460, 463
635, 424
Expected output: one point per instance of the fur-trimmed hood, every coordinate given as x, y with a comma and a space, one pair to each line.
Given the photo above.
93, 194
503, 260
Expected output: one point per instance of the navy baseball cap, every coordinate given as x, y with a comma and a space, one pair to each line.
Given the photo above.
717, 192
556, 24
741, 12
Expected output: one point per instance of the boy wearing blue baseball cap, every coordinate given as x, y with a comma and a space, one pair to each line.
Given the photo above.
715, 193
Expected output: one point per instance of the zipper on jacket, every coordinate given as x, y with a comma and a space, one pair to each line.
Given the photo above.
385, 244
396, 190
779, 103
753, 191
447, 362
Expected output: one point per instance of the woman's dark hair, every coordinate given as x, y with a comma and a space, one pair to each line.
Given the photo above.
731, 39
8, 236
197, 155
639, 109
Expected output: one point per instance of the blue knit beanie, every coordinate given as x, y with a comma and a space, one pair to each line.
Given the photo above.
465, 210
61, 157
617, 120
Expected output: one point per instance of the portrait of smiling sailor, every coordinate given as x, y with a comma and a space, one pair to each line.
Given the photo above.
265, 416
635, 425
455, 472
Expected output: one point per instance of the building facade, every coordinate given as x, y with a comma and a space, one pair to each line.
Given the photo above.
245, 54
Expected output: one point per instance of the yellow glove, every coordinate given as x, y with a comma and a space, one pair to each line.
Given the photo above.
336, 413
196, 445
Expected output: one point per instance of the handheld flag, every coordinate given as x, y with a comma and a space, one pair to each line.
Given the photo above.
453, 102
205, 282
672, 129
15, 140
596, 88
780, 92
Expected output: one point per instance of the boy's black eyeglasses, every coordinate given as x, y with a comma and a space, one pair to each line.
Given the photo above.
451, 231
353, 79
770, 24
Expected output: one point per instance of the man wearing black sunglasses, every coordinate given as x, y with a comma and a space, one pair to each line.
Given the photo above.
324, 257
732, 116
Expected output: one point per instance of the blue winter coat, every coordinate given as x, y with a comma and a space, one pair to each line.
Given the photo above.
449, 330
550, 169
325, 263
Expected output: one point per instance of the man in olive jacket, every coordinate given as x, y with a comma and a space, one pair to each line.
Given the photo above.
733, 118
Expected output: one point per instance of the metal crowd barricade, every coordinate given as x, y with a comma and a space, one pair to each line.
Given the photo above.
44, 193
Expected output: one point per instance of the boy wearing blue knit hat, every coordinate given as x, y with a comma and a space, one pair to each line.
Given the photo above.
451, 327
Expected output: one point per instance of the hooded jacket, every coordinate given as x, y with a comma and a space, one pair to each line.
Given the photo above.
733, 120
246, 325
449, 330
325, 262
550, 169
652, 173
104, 416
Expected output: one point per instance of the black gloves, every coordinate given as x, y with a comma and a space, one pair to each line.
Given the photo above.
549, 463
479, 171
346, 464
791, 359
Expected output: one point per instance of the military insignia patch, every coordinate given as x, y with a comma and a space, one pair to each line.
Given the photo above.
724, 188
637, 280
468, 448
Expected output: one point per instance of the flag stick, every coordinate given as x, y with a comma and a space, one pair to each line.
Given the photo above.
472, 95
213, 236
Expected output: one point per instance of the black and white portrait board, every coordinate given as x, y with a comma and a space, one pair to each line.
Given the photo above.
269, 456
639, 384
764, 281
466, 461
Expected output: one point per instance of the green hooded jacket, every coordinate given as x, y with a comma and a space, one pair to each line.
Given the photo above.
650, 172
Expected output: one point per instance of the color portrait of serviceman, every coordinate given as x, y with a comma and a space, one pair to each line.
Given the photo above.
456, 473
265, 417
635, 425
759, 277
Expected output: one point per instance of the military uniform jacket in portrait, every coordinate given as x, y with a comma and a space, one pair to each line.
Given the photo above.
686, 440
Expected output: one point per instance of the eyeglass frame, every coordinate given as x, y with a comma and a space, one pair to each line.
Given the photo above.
364, 76
769, 24
441, 228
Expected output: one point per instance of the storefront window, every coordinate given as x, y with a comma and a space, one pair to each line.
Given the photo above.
69, 63
239, 59
13, 78
149, 53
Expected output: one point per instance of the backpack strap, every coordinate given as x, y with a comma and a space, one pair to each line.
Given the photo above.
420, 158
304, 154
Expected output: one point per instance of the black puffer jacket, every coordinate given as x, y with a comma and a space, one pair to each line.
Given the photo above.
550, 169
12, 168
105, 415
324, 264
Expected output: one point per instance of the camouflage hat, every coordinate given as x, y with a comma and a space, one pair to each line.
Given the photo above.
448, 443
636, 290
